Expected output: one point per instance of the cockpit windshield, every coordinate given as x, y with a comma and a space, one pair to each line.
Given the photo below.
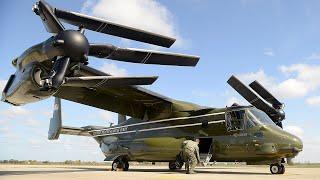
246, 118
257, 116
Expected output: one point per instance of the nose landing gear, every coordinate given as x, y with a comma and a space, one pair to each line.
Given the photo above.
120, 164
277, 168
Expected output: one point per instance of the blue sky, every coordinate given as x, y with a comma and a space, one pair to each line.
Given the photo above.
276, 42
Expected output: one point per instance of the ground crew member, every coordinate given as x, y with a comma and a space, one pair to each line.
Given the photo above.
190, 151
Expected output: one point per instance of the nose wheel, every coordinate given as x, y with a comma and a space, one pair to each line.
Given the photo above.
277, 168
120, 164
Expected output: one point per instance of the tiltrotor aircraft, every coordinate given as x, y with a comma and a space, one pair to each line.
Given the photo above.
158, 125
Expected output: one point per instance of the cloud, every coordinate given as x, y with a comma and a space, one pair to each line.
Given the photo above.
113, 69
2, 84
15, 111
311, 147
72, 147
268, 52
301, 79
108, 116
4, 129
296, 130
260, 75
314, 56
7, 134
31, 123
233, 100
313, 101
148, 15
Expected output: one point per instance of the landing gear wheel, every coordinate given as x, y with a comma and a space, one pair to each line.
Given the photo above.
120, 164
179, 165
172, 165
282, 169
116, 165
126, 166
277, 168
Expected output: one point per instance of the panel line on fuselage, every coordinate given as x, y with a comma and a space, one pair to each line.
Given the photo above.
157, 121
160, 128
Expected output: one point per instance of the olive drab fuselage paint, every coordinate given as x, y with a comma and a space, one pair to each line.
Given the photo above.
254, 141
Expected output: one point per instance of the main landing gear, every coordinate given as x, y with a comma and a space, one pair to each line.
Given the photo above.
177, 164
277, 168
173, 165
120, 164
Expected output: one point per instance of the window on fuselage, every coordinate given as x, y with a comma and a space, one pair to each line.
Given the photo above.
257, 116
235, 120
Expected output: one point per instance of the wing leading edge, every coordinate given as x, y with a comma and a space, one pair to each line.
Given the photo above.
132, 101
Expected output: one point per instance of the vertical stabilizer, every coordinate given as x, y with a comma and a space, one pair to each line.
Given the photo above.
55, 121
121, 118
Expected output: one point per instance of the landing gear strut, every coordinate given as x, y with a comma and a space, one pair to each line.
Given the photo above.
277, 168
177, 164
120, 164
173, 165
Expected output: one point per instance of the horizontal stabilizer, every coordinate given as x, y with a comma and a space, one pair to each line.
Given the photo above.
141, 56
106, 27
74, 131
107, 81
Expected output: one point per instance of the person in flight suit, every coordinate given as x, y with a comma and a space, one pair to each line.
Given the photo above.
190, 151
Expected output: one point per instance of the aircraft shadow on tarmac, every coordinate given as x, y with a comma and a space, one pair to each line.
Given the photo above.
199, 171
71, 170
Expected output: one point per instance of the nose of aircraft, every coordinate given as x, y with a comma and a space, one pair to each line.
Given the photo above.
296, 144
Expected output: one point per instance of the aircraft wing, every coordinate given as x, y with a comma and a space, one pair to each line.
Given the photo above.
132, 101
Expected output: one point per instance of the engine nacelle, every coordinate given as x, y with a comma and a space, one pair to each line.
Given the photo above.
25, 85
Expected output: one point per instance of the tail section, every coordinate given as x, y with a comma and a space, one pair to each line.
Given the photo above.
56, 121
56, 128
121, 118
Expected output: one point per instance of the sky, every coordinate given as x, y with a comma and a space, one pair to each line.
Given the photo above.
274, 42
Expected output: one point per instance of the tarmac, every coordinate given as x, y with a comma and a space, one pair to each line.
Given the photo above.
35, 172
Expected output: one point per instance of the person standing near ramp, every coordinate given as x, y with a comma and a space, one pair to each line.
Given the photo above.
191, 155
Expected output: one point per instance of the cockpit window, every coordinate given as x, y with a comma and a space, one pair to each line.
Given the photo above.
259, 117
244, 119
235, 120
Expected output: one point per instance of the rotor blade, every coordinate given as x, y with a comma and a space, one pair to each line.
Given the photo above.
107, 81
265, 94
250, 96
279, 124
103, 26
141, 56
49, 19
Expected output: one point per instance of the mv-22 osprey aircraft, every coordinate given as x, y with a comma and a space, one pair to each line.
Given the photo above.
158, 125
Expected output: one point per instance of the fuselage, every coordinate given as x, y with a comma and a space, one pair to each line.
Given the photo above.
160, 140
